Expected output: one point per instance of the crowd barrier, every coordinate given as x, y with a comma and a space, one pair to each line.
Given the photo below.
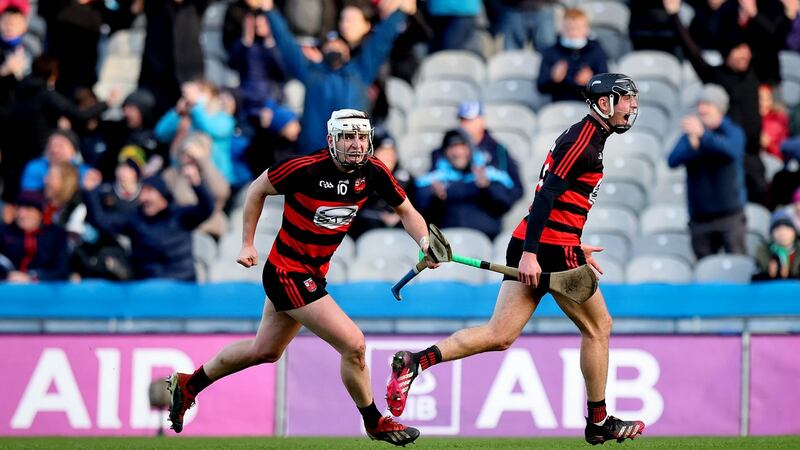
679, 385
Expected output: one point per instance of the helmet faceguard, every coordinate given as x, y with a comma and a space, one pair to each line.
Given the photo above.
613, 86
349, 123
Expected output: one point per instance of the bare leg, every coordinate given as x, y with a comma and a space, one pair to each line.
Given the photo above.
327, 320
514, 307
594, 323
274, 333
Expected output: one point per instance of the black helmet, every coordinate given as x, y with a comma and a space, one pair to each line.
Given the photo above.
613, 86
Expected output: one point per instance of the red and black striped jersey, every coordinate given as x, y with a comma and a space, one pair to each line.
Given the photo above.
577, 157
321, 203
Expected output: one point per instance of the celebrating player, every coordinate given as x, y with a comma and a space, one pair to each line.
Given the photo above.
549, 239
323, 190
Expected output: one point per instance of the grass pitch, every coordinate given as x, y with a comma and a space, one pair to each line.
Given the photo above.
174, 442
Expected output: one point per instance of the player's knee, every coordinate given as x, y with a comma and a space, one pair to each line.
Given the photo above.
265, 356
599, 328
501, 340
354, 351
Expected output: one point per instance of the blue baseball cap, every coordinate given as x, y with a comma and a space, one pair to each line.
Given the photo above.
470, 109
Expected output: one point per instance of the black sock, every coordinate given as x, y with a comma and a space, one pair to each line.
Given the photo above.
597, 411
198, 381
428, 357
371, 415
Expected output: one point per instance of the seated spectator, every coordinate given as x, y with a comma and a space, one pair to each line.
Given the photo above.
774, 122
201, 109
462, 191
31, 251
278, 129
135, 129
495, 154
376, 213
712, 149
122, 195
160, 232
523, 21
64, 206
780, 257
194, 152
62, 147
339, 81
569, 64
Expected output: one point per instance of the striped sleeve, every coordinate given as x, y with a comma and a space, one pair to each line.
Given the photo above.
285, 175
386, 185
570, 150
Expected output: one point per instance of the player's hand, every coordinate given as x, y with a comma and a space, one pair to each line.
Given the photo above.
672, 6
587, 252
248, 256
424, 245
529, 269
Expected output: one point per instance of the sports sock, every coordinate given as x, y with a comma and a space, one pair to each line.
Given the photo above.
597, 412
428, 357
198, 381
371, 415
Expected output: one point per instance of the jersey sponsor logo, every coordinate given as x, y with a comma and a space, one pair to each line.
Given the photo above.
333, 217
325, 184
593, 194
360, 184
311, 286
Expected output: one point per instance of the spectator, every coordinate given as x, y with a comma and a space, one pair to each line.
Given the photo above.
376, 213
793, 37
201, 109
62, 147
195, 150
74, 29
712, 149
523, 21
569, 64
651, 29
252, 52
739, 79
278, 129
774, 122
338, 82
309, 19
453, 23
13, 54
787, 180
31, 251
792, 211
160, 233
64, 206
172, 52
780, 258
462, 191
122, 195
495, 154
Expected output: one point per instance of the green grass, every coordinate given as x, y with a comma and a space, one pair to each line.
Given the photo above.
174, 442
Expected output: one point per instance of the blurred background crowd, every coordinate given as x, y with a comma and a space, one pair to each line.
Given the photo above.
129, 129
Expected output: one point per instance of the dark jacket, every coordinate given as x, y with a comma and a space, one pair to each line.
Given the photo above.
42, 254
592, 55
161, 246
327, 89
715, 173
651, 28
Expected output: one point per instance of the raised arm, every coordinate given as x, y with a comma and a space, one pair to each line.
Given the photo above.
693, 52
296, 64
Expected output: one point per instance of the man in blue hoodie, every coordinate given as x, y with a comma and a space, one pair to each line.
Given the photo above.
337, 82
712, 149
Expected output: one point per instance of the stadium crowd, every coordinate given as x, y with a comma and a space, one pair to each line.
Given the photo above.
115, 152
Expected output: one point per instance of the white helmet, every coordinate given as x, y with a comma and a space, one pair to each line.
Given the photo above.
349, 121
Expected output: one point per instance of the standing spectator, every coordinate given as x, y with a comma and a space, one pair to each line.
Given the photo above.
29, 250
569, 64
74, 29
739, 80
277, 131
172, 52
62, 147
195, 150
201, 109
462, 191
339, 81
774, 122
651, 29
523, 21
712, 149
453, 22
160, 233
13, 54
779, 259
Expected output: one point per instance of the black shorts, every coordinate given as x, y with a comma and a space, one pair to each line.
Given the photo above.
291, 290
551, 257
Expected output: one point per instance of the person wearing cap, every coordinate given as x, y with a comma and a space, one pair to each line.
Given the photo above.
160, 231
472, 121
462, 191
29, 250
738, 77
780, 257
62, 147
712, 149
569, 63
